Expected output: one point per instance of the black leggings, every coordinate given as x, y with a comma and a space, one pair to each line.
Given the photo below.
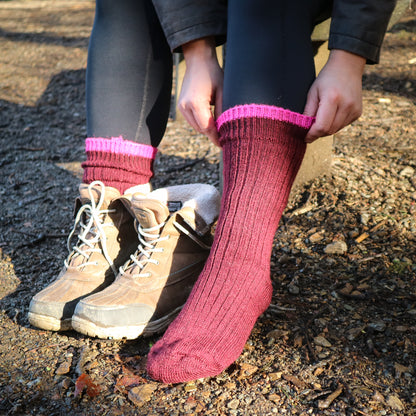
269, 60
129, 73
269, 57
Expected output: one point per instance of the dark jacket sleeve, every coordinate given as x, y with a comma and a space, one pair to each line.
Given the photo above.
359, 26
187, 20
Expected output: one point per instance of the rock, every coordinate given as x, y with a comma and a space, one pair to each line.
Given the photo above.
377, 326
407, 172
293, 289
278, 333
365, 217
395, 403
274, 398
191, 386
316, 237
284, 259
347, 289
400, 369
246, 370
63, 368
233, 404
337, 247
141, 394
66, 383
401, 328
378, 397
275, 376
321, 341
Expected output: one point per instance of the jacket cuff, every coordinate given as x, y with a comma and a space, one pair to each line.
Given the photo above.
184, 21
178, 38
350, 44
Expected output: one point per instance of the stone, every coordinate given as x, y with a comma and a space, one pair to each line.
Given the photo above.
337, 247
322, 341
275, 376
407, 172
233, 404
395, 403
316, 237
63, 368
141, 394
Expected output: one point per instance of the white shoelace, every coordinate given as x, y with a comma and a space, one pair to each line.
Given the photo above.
92, 231
143, 254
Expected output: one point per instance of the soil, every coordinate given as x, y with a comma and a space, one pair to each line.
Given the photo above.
340, 335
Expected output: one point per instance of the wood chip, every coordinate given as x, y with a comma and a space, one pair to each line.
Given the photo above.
324, 404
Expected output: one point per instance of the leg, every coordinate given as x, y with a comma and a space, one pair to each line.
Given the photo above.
263, 146
129, 77
128, 97
129, 73
270, 57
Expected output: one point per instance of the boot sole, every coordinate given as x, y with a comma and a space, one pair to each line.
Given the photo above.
86, 327
49, 323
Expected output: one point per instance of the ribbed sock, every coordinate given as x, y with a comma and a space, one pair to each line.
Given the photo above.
263, 147
119, 163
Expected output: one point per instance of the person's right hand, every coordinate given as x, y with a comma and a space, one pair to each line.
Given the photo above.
202, 87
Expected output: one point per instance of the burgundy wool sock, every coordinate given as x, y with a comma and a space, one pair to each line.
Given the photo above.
263, 147
118, 163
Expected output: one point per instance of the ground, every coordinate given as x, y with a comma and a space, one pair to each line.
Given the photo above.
340, 335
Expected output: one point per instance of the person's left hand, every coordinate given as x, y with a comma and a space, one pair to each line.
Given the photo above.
335, 98
202, 87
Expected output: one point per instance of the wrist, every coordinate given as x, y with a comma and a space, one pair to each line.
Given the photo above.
200, 49
347, 59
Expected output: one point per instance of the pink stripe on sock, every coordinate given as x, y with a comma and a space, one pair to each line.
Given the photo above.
120, 146
265, 111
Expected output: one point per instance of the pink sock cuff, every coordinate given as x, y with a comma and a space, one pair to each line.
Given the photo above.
265, 111
118, 145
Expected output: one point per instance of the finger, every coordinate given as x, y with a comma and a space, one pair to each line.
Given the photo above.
189, 116
344, 116
324, 118
312, 103
205, 122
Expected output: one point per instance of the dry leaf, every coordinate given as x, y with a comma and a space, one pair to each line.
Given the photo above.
84, 382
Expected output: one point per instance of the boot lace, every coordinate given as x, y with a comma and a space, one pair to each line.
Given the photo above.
90, 219
148, 241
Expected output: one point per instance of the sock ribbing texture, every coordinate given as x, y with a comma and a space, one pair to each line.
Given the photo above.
261, 157
118, 163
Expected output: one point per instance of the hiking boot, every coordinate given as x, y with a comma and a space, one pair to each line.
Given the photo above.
105, 240
174, 229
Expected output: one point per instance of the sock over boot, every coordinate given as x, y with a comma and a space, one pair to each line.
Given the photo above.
263, 147
118, 163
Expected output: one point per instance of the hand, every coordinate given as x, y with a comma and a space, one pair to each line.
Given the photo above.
335, 98
202, 87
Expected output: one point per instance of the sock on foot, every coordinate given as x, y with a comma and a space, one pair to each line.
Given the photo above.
118, 163
263, 147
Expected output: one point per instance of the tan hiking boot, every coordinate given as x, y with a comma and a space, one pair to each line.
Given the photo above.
154, 284
105, 241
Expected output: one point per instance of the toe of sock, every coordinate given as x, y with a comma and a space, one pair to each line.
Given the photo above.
172, 364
